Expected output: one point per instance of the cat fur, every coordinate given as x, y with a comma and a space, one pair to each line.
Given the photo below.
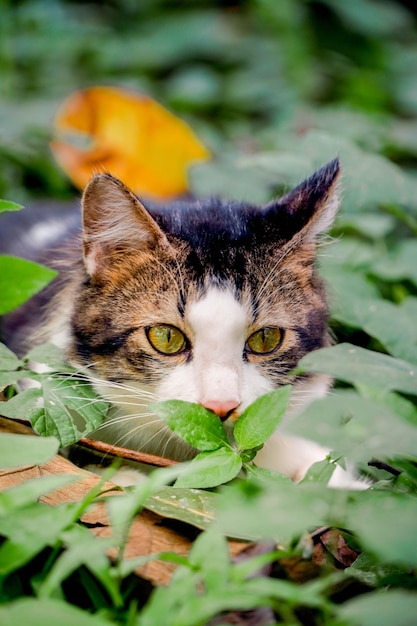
218, 271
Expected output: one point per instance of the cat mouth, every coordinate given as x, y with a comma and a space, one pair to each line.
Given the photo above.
233, 416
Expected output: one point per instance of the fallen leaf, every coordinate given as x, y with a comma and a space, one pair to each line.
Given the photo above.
128, 135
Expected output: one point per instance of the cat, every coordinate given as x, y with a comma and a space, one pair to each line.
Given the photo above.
205, 300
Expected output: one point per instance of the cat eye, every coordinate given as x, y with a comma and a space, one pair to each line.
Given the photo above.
166, 339
264, 340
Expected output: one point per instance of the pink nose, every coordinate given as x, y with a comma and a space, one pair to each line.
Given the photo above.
221, 408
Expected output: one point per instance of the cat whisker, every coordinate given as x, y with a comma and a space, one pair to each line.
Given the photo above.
129, 435
132, 391
127, 418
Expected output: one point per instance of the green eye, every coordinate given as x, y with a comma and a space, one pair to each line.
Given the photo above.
264, 341
166, 339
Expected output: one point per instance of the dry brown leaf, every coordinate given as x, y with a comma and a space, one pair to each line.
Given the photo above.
128, 135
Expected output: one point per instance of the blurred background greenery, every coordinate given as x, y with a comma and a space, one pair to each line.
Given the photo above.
252, 77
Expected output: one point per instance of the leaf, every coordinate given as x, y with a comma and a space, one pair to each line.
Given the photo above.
81, 550
354, 364
230, 178
369, 180
363, 17
209, 469
388, 607
27, 405
260, 420
122, 510
131, 136
320, 472
7, 205
394, 401
370, 225
48, 612
346, 287
11, 378
210, 555
20, 280
357, 427
30, 530
375, 316
199, 427
385, 524
193, 506
66, 408
8, 360
49, 354
19, 450
281, 512
400, 263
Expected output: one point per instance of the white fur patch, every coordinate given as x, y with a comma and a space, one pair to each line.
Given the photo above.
216, 372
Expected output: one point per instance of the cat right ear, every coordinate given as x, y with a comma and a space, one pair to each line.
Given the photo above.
114, 221
309, 209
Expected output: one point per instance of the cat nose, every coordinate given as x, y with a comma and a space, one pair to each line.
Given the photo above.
222, 408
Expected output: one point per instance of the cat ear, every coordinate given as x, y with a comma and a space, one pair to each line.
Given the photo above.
114, 220
311, 207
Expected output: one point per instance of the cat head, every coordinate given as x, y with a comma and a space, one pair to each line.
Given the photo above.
208, 301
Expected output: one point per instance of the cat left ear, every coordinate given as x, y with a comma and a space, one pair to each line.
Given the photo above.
114, 220
310, 208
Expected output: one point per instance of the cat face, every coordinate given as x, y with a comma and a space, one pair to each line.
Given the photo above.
206, 301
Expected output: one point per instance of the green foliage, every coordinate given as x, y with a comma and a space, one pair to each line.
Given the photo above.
19, 279
7, 205
61, 403
28, 279
221, 460
275, 89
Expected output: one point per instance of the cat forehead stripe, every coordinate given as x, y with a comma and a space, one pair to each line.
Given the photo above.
218, 317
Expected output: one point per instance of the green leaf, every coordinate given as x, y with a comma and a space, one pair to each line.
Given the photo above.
399, 264
11, 378
199, 427
82, 550
392, 607
320, 472
25, 405
8, 360
20, 280
193, 506
354, 364
370, 225
357, 427
30, 530
210, 555
254, 510
375, 316
369, 180
123, 509
384, 522
48, 612
260, 420
266, 475
7, 205
50, 355
394, 401
19, 450
66, 408
209, 469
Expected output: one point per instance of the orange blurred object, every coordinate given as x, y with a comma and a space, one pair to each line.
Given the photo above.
130, 136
